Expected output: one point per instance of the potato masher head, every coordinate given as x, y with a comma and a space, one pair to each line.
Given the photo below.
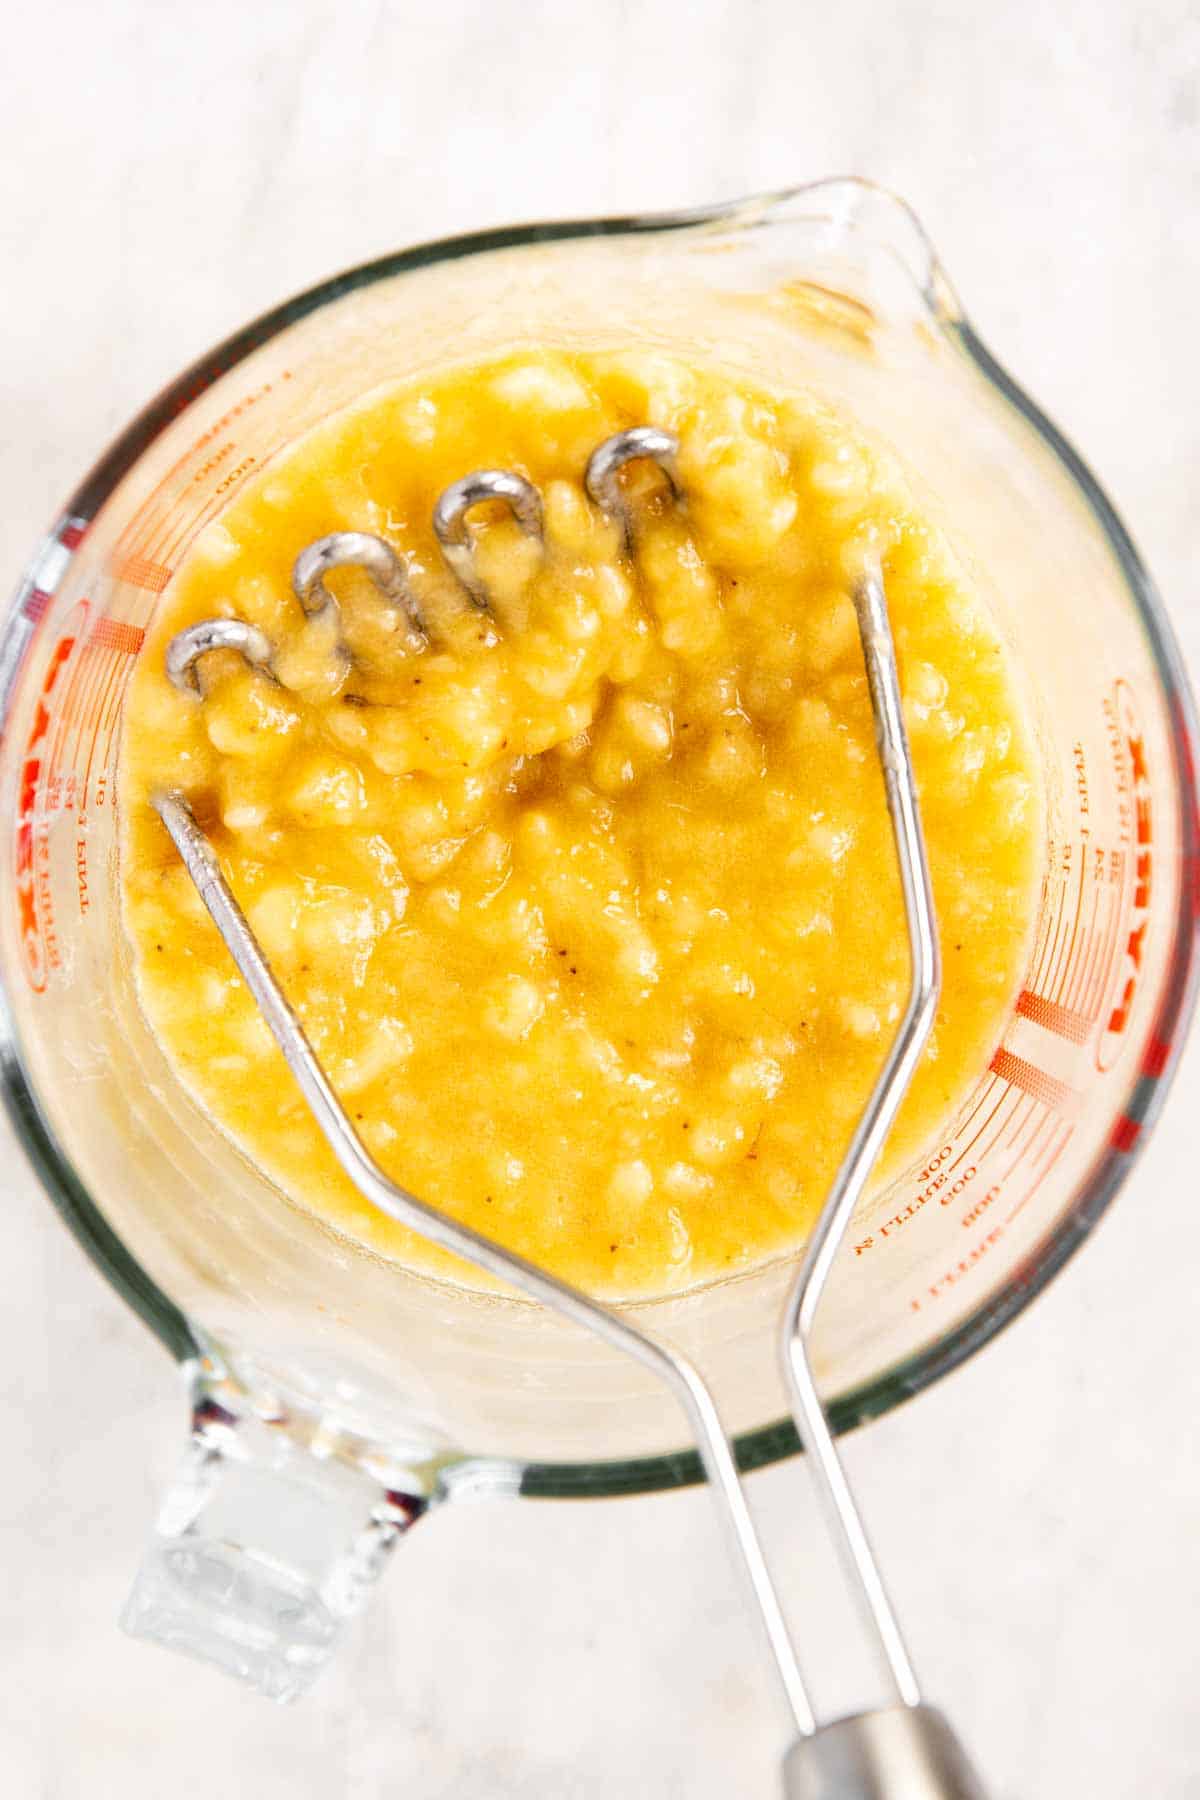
451, 524
905, 1750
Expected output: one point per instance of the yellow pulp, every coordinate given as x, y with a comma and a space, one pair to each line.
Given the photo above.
592, 917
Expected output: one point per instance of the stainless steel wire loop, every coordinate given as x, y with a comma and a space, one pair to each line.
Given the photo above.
453, 531
642, 443
357, 550
187, 647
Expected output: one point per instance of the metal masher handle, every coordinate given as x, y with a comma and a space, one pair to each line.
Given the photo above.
906, 1751
897, 1753
890, 1087
379, 1190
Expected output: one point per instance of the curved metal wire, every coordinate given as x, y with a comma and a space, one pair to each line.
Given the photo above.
891, 1085
187, 647
643, 443
683, 1380
454, 534
358, 550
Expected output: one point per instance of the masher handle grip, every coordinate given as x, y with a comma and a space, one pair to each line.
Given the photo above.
897, 1753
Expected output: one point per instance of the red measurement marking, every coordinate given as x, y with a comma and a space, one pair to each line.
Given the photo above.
118, 671
1087, 952
112, 714
971, 1142
1055, 1150
189, 527
1063, 1021
1156, 1058
1107, 972
1025, 1110
939, 1174
1051, 1153
1125, 1133
156, 512
111, 644
1061, 933
144, 527
140, 571
183, 530
35, 915
72, 534
1082, 1001
997, 1140
985, 1089
1044, 945
1058, 985
963, 1266
65, 718
1130, 974
80, 703
37, 604
1047, 1126
113, 717
116, 634
1032, 1080
1045, 1121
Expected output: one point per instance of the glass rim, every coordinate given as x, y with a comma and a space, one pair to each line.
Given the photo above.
1149, 1083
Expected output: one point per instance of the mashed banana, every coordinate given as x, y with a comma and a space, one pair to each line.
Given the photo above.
592, 914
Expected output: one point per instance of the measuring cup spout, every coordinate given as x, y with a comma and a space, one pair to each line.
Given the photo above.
871, 244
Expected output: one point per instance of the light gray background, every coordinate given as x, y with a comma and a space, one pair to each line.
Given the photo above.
170, 170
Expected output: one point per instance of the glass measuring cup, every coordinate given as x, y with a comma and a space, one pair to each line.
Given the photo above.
344, 1386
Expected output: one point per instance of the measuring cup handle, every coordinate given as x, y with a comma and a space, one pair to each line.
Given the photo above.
897, 1753
262, 1551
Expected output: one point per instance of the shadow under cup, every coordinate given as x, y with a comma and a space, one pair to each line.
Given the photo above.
833, 288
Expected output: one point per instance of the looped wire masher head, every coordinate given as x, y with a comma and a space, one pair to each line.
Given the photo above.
903, 1751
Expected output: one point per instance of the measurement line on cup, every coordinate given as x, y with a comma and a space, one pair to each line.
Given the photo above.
110, 643
1068, 962
94, 663
1055, 1150
1050, 944
1005, 1093
1087, 951
1062, 1021
1047, 1088
114, 718
1066, 946
112, 682
1033, 1113
981, 1096
55, 762
1099, 938
141, 572
1117, 928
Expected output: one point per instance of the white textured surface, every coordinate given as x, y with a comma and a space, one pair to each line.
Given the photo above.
165, 180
